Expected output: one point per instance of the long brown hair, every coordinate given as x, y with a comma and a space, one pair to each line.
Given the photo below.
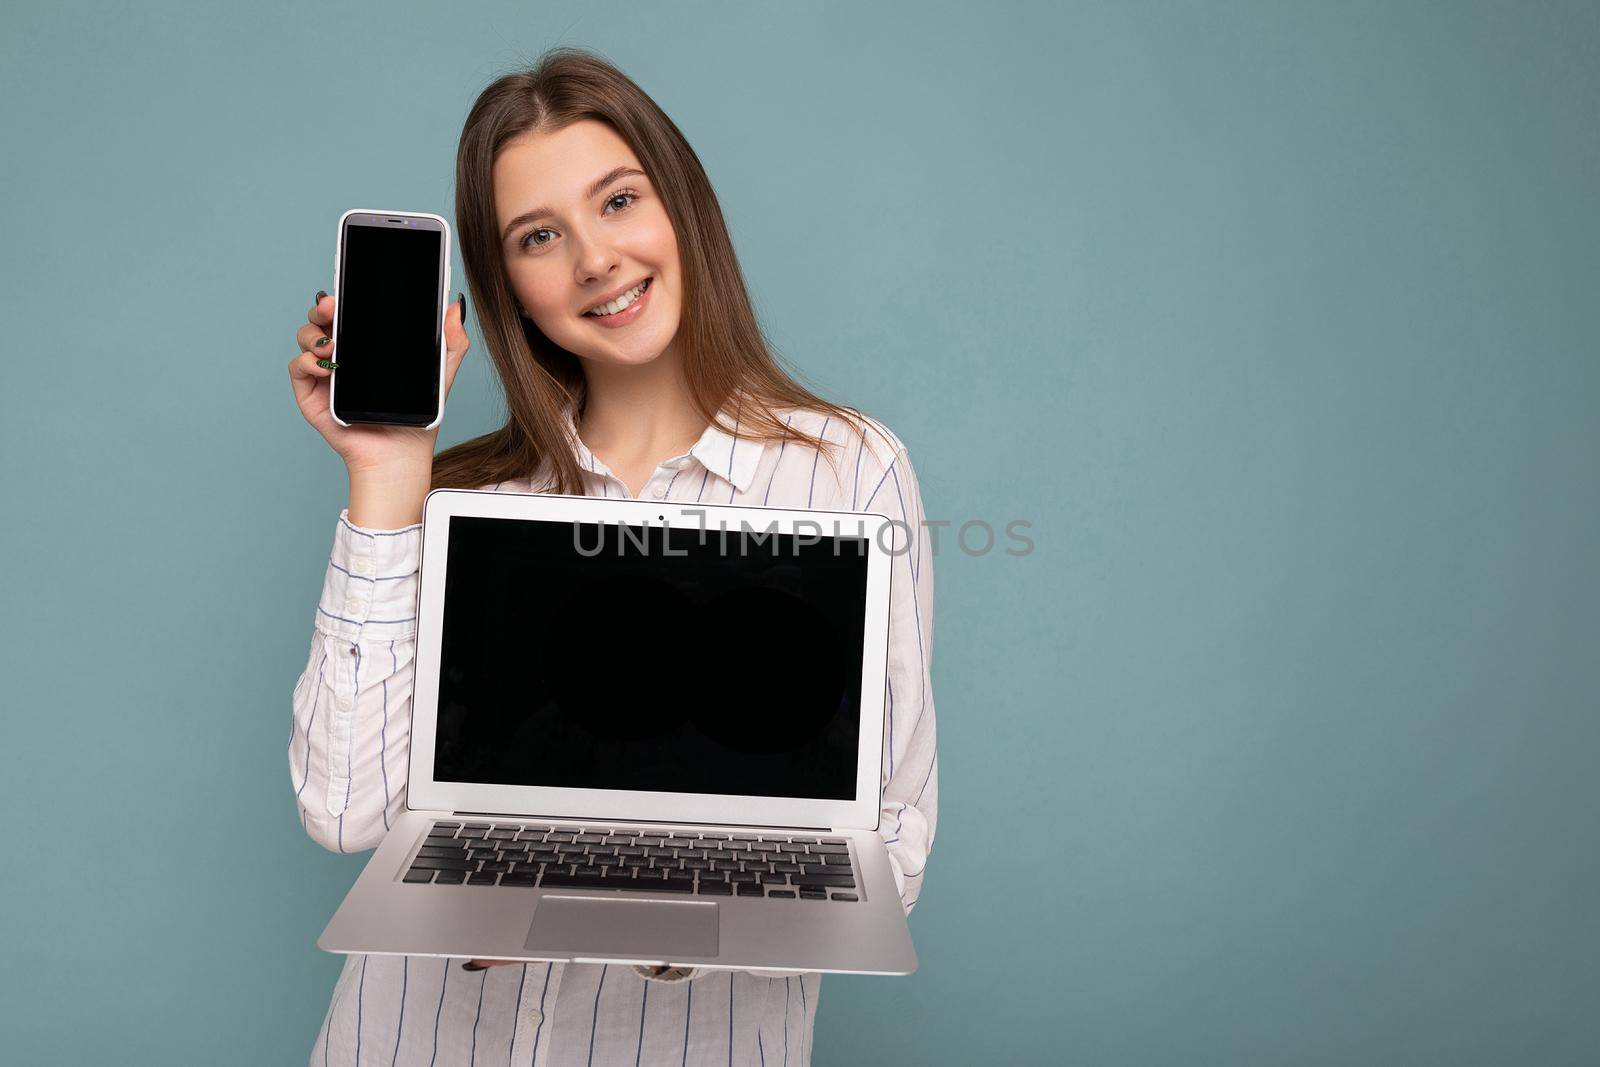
726, 357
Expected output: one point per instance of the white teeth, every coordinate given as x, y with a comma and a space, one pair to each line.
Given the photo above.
620, 302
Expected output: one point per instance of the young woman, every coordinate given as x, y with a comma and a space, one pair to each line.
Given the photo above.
632, 365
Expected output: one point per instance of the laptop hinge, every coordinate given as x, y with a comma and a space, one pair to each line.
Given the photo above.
642, 822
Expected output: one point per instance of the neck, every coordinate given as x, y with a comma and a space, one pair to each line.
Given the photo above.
637, 412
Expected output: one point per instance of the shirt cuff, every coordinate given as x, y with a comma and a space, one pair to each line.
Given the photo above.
370, 589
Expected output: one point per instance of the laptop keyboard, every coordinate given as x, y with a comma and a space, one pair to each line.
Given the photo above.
655, 861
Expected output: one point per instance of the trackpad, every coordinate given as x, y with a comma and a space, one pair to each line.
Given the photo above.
666, 930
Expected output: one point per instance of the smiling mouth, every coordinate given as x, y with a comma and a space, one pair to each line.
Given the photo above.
638, 291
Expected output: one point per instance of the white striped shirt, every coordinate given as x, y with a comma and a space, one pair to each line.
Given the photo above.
349, 751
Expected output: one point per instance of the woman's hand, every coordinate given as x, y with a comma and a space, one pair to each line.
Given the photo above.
365, 447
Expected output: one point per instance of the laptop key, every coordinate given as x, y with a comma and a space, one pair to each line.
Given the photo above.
812, 893
836, 861
450, 878
845, 896
420, 874
749, 889
482, 879
716, 889
844, 881
774, 879
557, 879
823, 848
781, 893
518, 879
443, 863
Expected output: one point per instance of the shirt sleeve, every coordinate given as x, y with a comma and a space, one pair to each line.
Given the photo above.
349, 741
910, 808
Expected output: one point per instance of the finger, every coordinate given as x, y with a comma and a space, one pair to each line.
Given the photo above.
314, 339
304, 375
321, 312
305, 366
456, 342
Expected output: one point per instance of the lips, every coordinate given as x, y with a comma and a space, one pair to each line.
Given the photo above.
645, 281
628, 315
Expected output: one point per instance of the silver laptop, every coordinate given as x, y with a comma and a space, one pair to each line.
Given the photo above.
642, 732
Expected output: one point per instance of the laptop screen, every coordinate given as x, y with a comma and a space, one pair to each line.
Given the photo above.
615, 656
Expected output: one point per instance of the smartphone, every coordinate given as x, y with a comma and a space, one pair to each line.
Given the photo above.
391, 274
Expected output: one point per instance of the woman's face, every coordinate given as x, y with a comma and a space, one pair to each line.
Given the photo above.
570, 244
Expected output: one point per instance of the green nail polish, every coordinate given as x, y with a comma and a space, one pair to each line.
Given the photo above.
326, 364
321, 341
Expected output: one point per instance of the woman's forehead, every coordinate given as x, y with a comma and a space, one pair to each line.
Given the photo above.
556, 166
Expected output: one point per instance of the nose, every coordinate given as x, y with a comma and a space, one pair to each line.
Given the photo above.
596, 260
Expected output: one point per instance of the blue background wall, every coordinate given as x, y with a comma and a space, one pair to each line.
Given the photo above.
1276, 321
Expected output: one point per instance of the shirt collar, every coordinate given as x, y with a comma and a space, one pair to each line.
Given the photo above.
732, 458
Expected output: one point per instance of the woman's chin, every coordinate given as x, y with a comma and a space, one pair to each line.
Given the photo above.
627, 358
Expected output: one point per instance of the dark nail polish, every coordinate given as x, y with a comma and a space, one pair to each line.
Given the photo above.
320, 294
326, 364
321, 341
461, 298
470, 966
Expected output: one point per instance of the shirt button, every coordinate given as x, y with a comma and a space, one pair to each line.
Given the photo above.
352, 606
658, 492
363, 567
535, 1016
344, 703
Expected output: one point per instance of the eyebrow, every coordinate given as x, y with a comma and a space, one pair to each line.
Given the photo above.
594, 190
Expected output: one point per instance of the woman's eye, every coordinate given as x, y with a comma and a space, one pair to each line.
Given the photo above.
528, 239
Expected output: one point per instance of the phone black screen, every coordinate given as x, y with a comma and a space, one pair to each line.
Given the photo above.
390, 285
